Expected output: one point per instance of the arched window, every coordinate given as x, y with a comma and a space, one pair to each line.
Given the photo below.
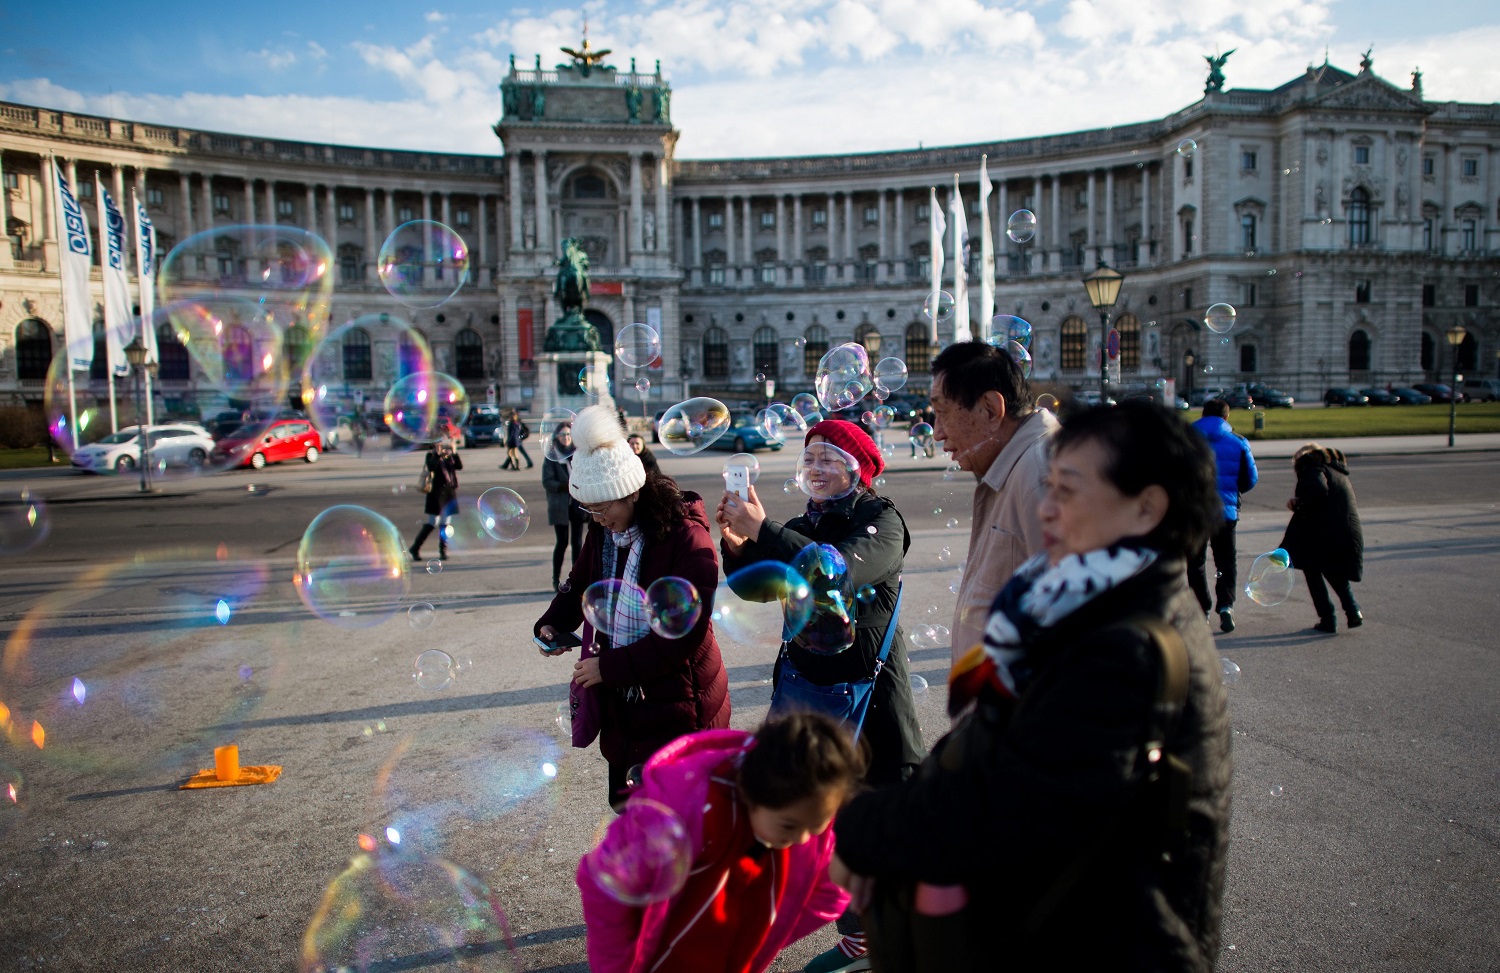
589, 186
815, 348
239, 355
1427, 354
468, 355
173, 357
358, 366
715, 353
411, 353
1074, 338
1129, 327
767, 350
869, 336
918, 348
295, 348
33, 349
1359, 352
1247, 358
1359, 217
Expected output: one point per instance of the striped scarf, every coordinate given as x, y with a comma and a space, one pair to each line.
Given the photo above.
628, 620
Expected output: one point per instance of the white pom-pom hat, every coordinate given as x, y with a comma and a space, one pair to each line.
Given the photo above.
604, 466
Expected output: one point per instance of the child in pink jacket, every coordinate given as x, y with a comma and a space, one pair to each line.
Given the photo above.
758, 812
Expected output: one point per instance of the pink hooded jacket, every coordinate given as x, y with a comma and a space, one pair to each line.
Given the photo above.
627, 939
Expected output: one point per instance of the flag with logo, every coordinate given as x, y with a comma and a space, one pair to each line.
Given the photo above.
986, 252
937, 226
117, 316
960, 265
78, 328
145, 265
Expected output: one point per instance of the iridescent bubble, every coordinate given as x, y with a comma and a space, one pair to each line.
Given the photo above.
881, 393
918, 684
503, 514
945, 555
830, 628
236, 346
790, 487
425, 407
890, 374
938, 306
396, 908
546, 428
760, 378
1271, 578
593, 381
638, 346
805, 404
887, 450
924, 636
1186, 148
825, 472
692, 426
1276, 790
434, 566
747, 460
952, 522
604, 602
879, 481
390, 347
351, 567
1021, 226
1208, 369
799, 342
1018, 354
1231, 672
421, 616
423, 263
643, 385
920, 434
642, 856
843, 376
1008, 327
764, 582
1219, 318
434, 670
882, 416
24, 521
673, 607
781, 422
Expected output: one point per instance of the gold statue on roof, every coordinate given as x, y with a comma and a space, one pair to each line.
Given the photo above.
584, 59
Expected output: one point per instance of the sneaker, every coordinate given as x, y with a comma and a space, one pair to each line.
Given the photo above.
1226, 620
836, 960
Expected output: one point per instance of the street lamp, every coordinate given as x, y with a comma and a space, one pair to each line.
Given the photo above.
1103, 286
1189, 360
1456, 335
135, 354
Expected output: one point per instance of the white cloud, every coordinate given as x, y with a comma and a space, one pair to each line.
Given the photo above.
276, 60
316, 50
436, 17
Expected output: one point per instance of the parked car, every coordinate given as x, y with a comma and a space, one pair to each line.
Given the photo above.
1267, 397
484, 425
1090, 397
177, 444
1380, 396
744, 435
257, 443
1197, 397
1438, 392
1482, 389
1345, 397
1406, 396
1238, 398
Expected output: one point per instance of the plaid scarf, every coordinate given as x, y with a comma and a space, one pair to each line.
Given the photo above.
628, 620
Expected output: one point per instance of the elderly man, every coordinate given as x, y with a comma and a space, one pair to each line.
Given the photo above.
984, 417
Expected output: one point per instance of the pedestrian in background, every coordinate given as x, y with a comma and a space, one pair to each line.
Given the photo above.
523, 433
563, 513
1235, 468
1324, 537
440, 481
639, 447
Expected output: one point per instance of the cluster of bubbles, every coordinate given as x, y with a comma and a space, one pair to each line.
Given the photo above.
1012, 334
757, 595
829, 628
1271, 578
670, 607
930, 636
781, 422
843, 377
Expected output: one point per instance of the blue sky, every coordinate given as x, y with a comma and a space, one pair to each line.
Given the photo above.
751, 77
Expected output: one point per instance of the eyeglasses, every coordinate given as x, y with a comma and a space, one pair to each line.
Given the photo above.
597, 509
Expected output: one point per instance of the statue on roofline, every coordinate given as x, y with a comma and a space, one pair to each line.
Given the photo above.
1216, 71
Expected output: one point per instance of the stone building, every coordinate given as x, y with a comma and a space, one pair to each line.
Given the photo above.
1349, 221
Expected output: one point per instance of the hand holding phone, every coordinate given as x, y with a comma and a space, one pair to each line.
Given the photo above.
737, 481
552, 642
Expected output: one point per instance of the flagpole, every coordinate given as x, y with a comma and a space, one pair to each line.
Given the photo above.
145, 282
62, 284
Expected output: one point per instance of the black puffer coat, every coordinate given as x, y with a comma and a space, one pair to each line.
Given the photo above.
1020, 793
1324, 534
442, 499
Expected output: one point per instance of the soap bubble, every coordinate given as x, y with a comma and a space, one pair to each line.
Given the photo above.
425, 406
24, 521
1186, 148
764, 582
920, 434
423, 263
638, 346
805, 404
781, 422
503, 514
603, 601
825, 472
890, 374
1276, 790
434, 566
389, 346
1231, 672
938, 306
643, 385
278, 265
672, 607
1021, 226
1018, 354
692, 426
546, 428
760, 378
593, 381
1271, 578
1219, 318
952, 522
351, 567
830, 627
843, 376
918, 684
1047, 401
642, 856
746, 460
790, 486
434, 670
946, 554
400, 909
799, 342
421, 617
924, 636
882, 416
1008, 327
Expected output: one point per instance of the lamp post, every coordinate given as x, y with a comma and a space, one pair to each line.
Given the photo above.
1189, 360
1456, 335
135, 354
1103, 286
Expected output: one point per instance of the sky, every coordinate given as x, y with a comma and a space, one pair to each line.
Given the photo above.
749, 77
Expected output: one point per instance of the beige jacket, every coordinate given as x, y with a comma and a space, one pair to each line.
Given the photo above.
1006, 529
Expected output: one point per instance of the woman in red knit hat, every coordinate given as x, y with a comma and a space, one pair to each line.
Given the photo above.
838, 465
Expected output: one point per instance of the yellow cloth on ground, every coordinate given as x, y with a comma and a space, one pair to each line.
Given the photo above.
248, 775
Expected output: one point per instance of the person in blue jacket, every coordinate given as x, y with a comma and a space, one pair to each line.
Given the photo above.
1236, 475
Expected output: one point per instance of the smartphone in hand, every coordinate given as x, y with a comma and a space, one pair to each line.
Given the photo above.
563, 642
737, 481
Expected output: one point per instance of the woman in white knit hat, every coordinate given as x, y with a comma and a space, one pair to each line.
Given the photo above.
634, 688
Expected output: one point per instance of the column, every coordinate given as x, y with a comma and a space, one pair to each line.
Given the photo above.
849, 227
6, 257
636, 243
1055, 257
184, 224
663, 206
781, 274
679, 229
390, 211
330, 221
1143, 248
696, 277
798, 253
543, 204
900, 228
48, 234
252, 239
271, 215
1091, 244
310, 200
513, 197
1035, 260
447, 209
1109, 214
371, 253
1002, 241
482, 205
206, 244
429, 269
749, 254
731, 274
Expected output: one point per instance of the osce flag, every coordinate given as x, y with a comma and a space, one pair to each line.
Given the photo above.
936, 226
117, 316
78, 328
145, 265
986, 253
960, 265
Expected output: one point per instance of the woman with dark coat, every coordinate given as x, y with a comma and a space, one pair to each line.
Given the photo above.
563, 513
1076, 817
441, 464
1324, 537
638, 446
645, 689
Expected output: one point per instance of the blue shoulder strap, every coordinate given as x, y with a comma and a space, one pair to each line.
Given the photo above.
890, 630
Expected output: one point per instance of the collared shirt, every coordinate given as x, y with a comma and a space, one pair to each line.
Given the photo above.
1006, 529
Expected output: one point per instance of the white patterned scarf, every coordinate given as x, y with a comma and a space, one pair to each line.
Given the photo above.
628, 620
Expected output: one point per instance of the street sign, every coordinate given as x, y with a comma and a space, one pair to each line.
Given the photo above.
770, 388
491, 395
1114, 345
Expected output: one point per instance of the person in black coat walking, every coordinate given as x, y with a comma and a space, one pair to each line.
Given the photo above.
1324, 537
564, 514
440, 467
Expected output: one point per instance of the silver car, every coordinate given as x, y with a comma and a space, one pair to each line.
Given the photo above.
175, 444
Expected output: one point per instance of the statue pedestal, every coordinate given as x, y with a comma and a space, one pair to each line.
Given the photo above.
552, 365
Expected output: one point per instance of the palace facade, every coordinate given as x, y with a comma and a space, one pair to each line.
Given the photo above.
1349, 221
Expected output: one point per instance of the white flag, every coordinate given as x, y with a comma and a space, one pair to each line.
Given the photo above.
936, 228
986, 253
78, 328
117, 316
145, 266
960, 266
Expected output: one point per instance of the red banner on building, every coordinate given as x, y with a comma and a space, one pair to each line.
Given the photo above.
615, 287
523, 333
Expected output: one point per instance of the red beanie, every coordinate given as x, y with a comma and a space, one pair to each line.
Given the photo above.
853, 440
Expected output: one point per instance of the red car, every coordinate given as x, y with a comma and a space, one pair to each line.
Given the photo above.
258, 443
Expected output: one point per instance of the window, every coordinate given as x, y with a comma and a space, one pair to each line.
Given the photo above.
817, 265
357, 362
815, 348
412, 353
872, 215
1187, 237
295, 348
13, 181
1427, 234
1247, 160
1361, 292
154, 196
1471, 168
1359, 217
1359, 352
1074, 336
1187, 298
349, 268
820, 217
1247, 294
715, 353
918, 348
86, 189
1081, 199
1471, 295
1429, 165
1129, 327
239, 355
716, 275
1187, 169
1429, 295
33, 350
766, 272
1361, 155
869, 260
346, 212
766, 350
221, 203
1467, 236
171, 355
404, 215
463, 218
468, 355
716, 221
923, 212
1247, 232
1247, 358
285, 207
226, 265
767, 219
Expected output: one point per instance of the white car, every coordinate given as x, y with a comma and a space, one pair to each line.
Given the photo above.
178, 444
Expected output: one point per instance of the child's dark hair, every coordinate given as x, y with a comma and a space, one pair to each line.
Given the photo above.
797, 756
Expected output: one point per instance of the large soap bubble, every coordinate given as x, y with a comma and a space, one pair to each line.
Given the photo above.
643, 856
673, 607
283, 268
547, 428
1219, 318
351, 567
1008, 327
938, 306
692, 426
341, 372
426, 406
825, 472
612, 602
805, 404
830, 627
764, 582
638, 346
1271, 578
1021, 226
1018, 354
1186, 148
890, 374
843, 376
423, 263
781, 422
593, 381
503, 514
